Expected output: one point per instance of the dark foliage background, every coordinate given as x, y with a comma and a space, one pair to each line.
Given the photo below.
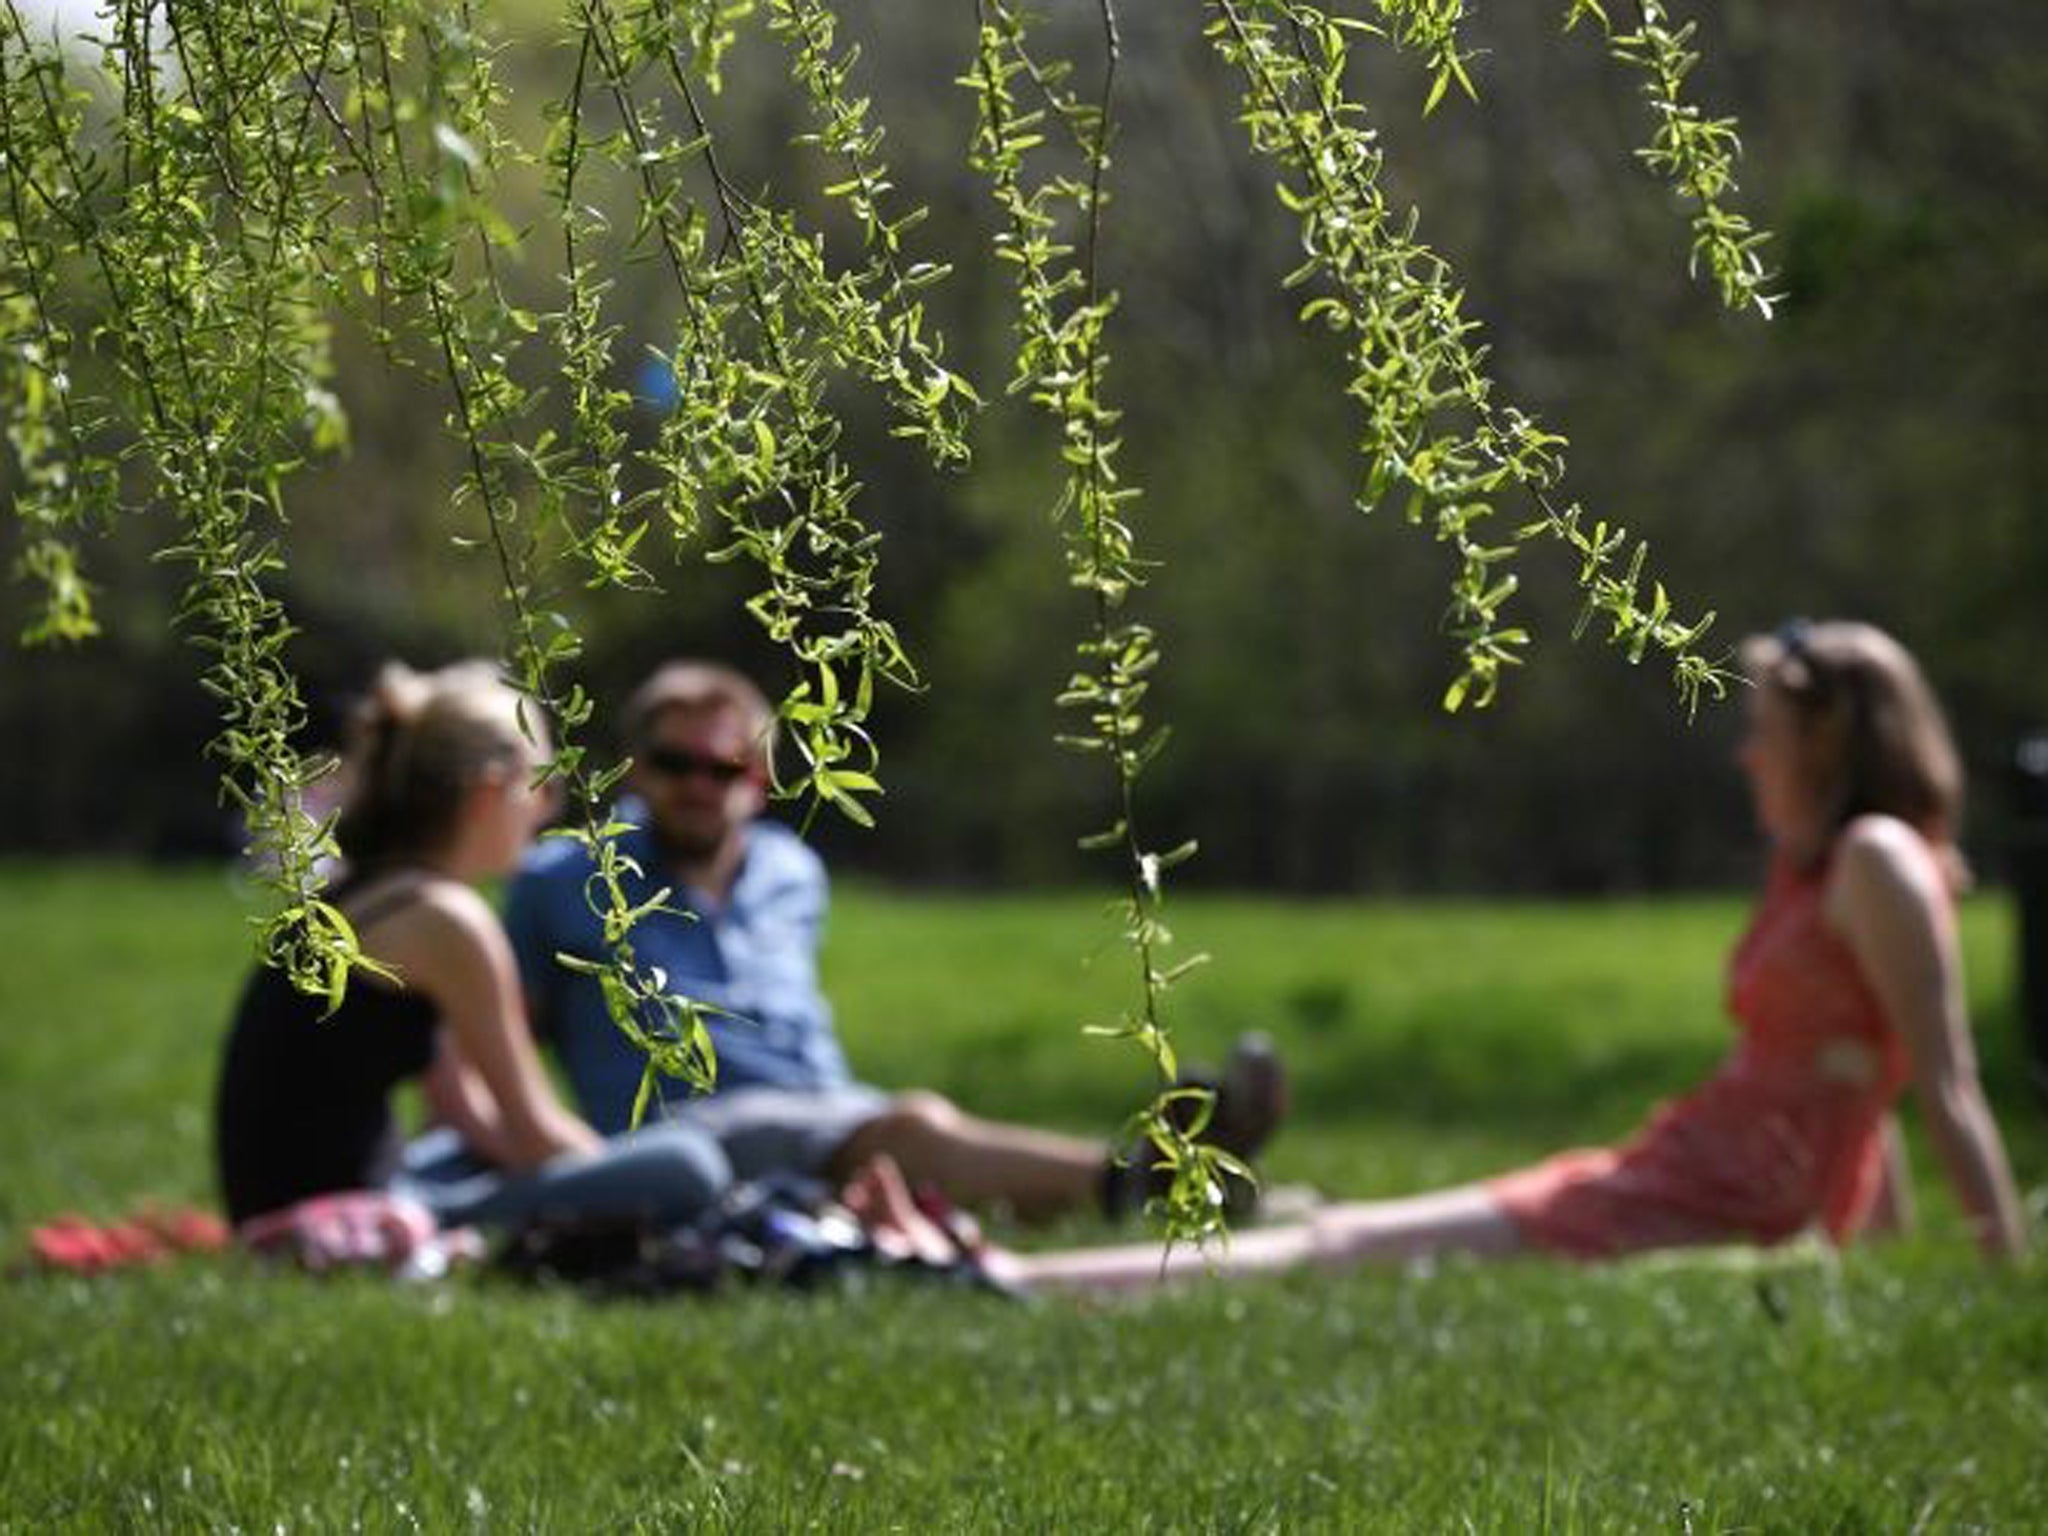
1877, 450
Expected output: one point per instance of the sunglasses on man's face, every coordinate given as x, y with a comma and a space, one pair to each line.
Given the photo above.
679, 763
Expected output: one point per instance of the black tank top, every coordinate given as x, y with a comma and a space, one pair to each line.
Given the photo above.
304, 1102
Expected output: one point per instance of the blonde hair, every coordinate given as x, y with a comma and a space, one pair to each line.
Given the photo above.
419, 742
1876, 737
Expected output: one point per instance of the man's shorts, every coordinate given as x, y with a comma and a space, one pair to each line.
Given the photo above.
781, 1130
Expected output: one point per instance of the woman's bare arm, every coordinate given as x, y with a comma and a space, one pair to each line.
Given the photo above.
457, 1097
449, 945
1887, 900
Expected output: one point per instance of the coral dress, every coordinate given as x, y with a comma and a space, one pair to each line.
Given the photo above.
1786, 1134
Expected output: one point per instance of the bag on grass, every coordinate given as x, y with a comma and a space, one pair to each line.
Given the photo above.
783, 1231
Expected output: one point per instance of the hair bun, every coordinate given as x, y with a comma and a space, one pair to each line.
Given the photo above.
398, 694
421, 741
392, 702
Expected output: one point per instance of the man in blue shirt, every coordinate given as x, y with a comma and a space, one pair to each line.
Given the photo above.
755, 896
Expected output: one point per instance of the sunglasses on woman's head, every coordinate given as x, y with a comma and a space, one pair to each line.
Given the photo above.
1792, 636
1817, 681
678, 763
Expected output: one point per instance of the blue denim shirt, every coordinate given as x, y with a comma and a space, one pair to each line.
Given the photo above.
757, 958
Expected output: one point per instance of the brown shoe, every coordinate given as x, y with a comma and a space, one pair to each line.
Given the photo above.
1251, 1101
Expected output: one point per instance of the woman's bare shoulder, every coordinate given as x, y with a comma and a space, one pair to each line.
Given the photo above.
1883, 861
1881, 846
442, 929
454, 901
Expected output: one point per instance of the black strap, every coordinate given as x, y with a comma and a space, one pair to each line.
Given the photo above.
387, 901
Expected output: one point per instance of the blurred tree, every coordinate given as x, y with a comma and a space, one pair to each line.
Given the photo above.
1874, 450
660, 277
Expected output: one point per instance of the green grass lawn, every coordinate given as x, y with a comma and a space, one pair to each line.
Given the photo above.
1904, 1388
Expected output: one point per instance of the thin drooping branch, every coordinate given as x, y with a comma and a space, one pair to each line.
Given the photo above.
1062, 364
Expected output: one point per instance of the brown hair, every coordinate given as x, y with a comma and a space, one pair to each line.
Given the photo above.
1876, 736
420, 741
699, 688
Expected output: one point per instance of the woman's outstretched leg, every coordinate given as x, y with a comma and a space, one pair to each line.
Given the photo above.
1462, 1220
1343, 1236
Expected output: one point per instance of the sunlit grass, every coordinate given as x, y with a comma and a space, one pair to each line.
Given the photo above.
1905, 1388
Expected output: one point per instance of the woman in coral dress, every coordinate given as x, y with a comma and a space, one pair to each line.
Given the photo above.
1846, 990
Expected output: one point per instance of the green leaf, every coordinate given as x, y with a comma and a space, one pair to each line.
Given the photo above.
642, 1097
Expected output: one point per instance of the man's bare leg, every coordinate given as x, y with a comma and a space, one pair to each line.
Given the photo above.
1042, 1173
976, 1162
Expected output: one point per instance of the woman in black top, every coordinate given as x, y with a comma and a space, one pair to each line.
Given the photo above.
441, 795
